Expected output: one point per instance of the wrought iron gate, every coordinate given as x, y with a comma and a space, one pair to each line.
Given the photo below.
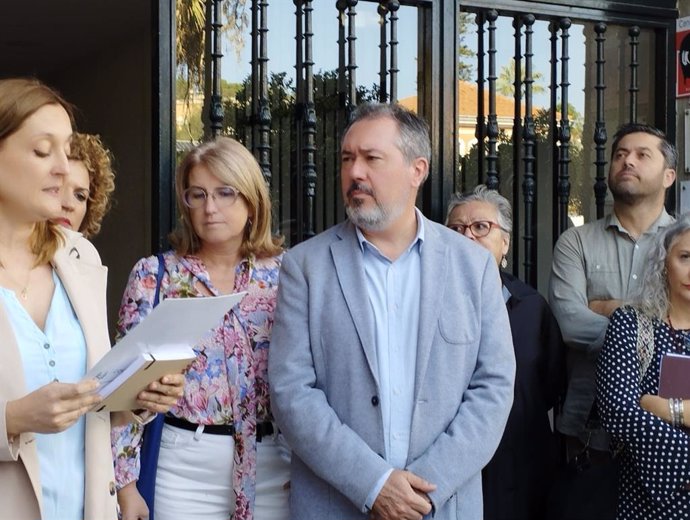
550, 164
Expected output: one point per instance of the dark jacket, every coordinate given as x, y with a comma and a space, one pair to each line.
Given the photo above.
517, 480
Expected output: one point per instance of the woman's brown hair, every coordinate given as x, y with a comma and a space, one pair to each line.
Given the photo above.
20, 98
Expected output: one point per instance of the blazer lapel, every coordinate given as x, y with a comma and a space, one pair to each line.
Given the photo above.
85, 285
347, 258
12, 382
13, 386
434, 266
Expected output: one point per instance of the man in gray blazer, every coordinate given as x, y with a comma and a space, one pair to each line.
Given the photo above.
391, 363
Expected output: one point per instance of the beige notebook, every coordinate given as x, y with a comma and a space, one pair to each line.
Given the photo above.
161, 344
122, 390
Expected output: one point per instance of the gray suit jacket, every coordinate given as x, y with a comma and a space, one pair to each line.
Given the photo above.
323, 374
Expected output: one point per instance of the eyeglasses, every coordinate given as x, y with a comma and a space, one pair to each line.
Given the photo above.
478, 228
223, 196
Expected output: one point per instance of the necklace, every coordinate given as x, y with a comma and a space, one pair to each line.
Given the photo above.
24, 291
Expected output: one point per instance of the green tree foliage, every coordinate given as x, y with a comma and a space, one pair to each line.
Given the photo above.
465, 54
505, 83
191, 35
578, 172
282, 98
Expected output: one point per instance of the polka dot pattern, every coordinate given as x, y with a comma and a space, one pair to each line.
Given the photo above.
654, 456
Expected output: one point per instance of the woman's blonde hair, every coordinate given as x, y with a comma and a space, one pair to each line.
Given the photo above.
20, 98
97, 159
231, 163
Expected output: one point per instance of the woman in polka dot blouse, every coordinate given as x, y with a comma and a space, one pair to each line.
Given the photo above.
654, 454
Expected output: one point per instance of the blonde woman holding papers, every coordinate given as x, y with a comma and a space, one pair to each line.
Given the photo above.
218, 457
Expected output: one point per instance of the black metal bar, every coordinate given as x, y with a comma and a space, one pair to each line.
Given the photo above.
255, 81
529, 186
297, 214
600, 136
264, 115
320, 199
299, 51
480, 130
284, 185
337, 126
383, 48
553, 126
276, 187
564, 132
216, 114
351, 56
309, 129
634, 33
620, 13
492, 181
665, 72
517, 125
393, 6
437, 102
341, 5
163, 135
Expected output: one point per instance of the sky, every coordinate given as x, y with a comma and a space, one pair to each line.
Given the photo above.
281, 48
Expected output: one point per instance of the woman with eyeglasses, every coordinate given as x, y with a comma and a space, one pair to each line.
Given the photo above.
516, 482
219, 457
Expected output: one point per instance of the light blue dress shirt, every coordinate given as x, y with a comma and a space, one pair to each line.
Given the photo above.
58, 353
394, 291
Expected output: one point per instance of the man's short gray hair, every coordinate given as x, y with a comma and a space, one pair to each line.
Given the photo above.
413, 131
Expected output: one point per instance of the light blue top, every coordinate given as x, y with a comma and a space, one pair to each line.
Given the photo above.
394, 290
58, 353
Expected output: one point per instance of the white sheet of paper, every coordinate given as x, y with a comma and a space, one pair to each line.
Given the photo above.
174, 325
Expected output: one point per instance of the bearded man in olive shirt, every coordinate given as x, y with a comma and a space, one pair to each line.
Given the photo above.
596, 268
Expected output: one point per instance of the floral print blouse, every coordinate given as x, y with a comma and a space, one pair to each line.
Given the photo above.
227, 382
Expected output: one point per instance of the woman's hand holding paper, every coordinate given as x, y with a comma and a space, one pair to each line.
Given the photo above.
163, 394
51, 408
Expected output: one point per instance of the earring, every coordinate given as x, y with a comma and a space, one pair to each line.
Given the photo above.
504, 262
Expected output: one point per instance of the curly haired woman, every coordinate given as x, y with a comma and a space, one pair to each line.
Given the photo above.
88, 187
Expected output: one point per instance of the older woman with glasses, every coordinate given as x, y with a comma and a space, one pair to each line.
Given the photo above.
217, 447
516, 482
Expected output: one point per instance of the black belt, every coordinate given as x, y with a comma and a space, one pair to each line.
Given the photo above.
213, 429
264, 429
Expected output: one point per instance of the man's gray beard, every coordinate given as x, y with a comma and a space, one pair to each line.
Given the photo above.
374, 219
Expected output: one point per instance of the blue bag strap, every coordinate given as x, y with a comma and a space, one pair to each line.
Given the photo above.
159, 278
151, 441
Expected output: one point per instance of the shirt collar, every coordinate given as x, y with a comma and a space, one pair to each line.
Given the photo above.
662, 221
419, 236
507, 295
